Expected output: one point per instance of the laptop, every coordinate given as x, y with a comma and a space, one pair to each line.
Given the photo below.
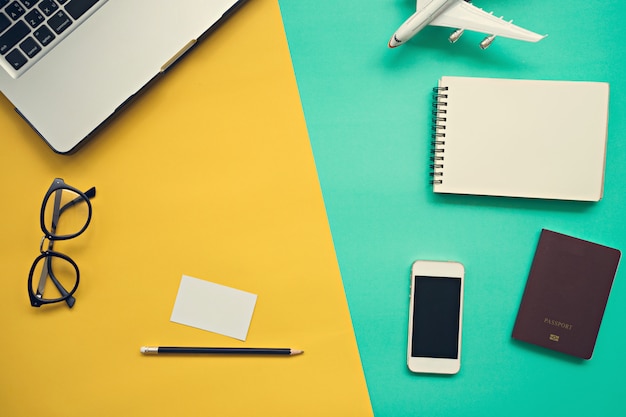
68, 66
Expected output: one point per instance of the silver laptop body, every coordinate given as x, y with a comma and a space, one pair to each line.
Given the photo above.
104, 58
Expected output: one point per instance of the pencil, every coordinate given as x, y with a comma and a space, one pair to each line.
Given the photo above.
175, 350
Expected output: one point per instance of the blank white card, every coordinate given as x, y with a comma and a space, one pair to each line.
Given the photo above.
213, 307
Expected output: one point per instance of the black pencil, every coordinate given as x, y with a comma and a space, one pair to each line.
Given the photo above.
174, 350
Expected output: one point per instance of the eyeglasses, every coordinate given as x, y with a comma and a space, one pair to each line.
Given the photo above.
60, 269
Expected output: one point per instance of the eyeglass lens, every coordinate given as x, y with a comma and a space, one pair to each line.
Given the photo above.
58, 277
65, 213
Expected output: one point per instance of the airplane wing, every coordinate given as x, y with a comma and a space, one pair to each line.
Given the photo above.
462, 15
419, 4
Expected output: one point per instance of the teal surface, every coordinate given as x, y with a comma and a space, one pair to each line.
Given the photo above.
368, 113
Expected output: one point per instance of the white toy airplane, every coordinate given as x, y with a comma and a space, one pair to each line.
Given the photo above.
460, 15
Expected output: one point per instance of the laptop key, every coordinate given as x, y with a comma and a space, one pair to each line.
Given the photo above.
59, 22
48, 7
15, 10
30, 47
11, 37
77, 8
34, 18
16, 59
29, 3
44, 35
4, 22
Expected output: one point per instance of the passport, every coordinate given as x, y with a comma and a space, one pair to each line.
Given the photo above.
566, 294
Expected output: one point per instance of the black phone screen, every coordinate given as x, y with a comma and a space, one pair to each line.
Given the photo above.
436, 305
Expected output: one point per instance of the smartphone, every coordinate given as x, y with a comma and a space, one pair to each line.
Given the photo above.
435, 317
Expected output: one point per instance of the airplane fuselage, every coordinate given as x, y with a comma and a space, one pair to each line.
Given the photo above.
418, 21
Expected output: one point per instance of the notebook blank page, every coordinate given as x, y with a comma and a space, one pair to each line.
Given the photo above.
524, 138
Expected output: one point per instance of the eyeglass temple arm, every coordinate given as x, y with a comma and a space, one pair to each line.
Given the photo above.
45, 271
56, 213
90, 194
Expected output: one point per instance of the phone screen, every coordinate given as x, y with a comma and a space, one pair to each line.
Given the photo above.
436, 302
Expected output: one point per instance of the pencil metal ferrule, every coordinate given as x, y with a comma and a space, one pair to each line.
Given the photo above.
150, 350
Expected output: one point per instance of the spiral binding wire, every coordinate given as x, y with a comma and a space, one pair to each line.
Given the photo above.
438, 135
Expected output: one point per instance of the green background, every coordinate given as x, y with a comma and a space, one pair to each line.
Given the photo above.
368, 113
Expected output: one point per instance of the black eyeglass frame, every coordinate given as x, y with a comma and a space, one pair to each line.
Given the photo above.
58, 185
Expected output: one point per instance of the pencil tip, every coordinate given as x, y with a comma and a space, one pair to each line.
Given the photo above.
296, 352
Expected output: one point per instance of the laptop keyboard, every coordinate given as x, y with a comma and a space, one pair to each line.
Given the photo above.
30, 28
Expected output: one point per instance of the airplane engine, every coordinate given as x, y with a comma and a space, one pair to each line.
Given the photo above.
487, 41
456, 35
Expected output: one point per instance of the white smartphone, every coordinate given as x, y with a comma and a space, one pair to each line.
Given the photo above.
435, 317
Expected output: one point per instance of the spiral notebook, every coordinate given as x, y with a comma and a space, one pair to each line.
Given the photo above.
519, 138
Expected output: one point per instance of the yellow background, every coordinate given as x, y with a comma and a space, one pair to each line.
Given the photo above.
209, 174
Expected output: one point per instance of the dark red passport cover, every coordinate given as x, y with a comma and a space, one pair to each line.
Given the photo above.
566, 294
